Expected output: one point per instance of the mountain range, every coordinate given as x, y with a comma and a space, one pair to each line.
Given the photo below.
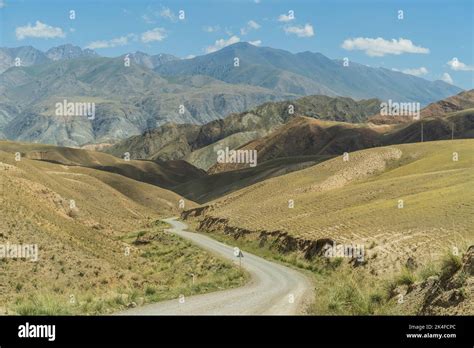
308, 73
156, 89
198, 144
319, 125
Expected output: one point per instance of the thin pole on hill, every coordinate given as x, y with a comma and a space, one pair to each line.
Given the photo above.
421, 130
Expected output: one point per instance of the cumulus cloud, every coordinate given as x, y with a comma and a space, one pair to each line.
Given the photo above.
416, 71
457, 65
447, 78
156, 34
251, 25
300, 31
39, 31
286, 17
379, 47
221, 43
256, 42
119, 41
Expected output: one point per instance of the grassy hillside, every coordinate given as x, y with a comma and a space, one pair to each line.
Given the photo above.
408, 206
100, 245
356, 202
162, 174
213, 186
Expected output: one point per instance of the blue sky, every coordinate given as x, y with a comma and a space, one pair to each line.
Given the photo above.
425, 42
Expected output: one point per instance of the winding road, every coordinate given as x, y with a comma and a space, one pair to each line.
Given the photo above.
272, 290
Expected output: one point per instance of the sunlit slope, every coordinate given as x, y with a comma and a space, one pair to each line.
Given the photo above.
213, 186
77, 217
163, 174
98, 195
358, 202
308, 136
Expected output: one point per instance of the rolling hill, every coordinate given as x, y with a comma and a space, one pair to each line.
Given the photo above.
308, 136
210, 187
310, 130
100, 246
459, 102
161, 174
357, 202
198, 144
441, 108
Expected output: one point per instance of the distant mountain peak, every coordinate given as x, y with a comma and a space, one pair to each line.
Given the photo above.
69, 51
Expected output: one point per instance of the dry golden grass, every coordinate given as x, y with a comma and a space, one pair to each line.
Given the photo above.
356, 202
86, 249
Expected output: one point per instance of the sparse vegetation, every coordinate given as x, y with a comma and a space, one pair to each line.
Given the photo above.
449, 265
92, 255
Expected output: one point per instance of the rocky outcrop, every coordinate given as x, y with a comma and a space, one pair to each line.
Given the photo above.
450, 293
280, 241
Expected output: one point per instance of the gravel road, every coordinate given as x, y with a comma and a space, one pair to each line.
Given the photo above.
272, 290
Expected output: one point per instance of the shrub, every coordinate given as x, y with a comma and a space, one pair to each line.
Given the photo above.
406, 277
449, 265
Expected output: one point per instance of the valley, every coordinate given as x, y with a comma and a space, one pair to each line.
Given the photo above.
334, 202
101, 244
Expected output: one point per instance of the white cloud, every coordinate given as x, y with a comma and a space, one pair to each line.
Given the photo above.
256, 1
168, 14
251, 25
211, 28
2, 4
39, 30
286, 17
191, 56
457, 65
256, 42
221, 43
416, 71
152, 16
379, 47
447, 78
300, 31
119, 41
156, 34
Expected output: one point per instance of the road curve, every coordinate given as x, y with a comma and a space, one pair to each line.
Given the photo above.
272, 290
